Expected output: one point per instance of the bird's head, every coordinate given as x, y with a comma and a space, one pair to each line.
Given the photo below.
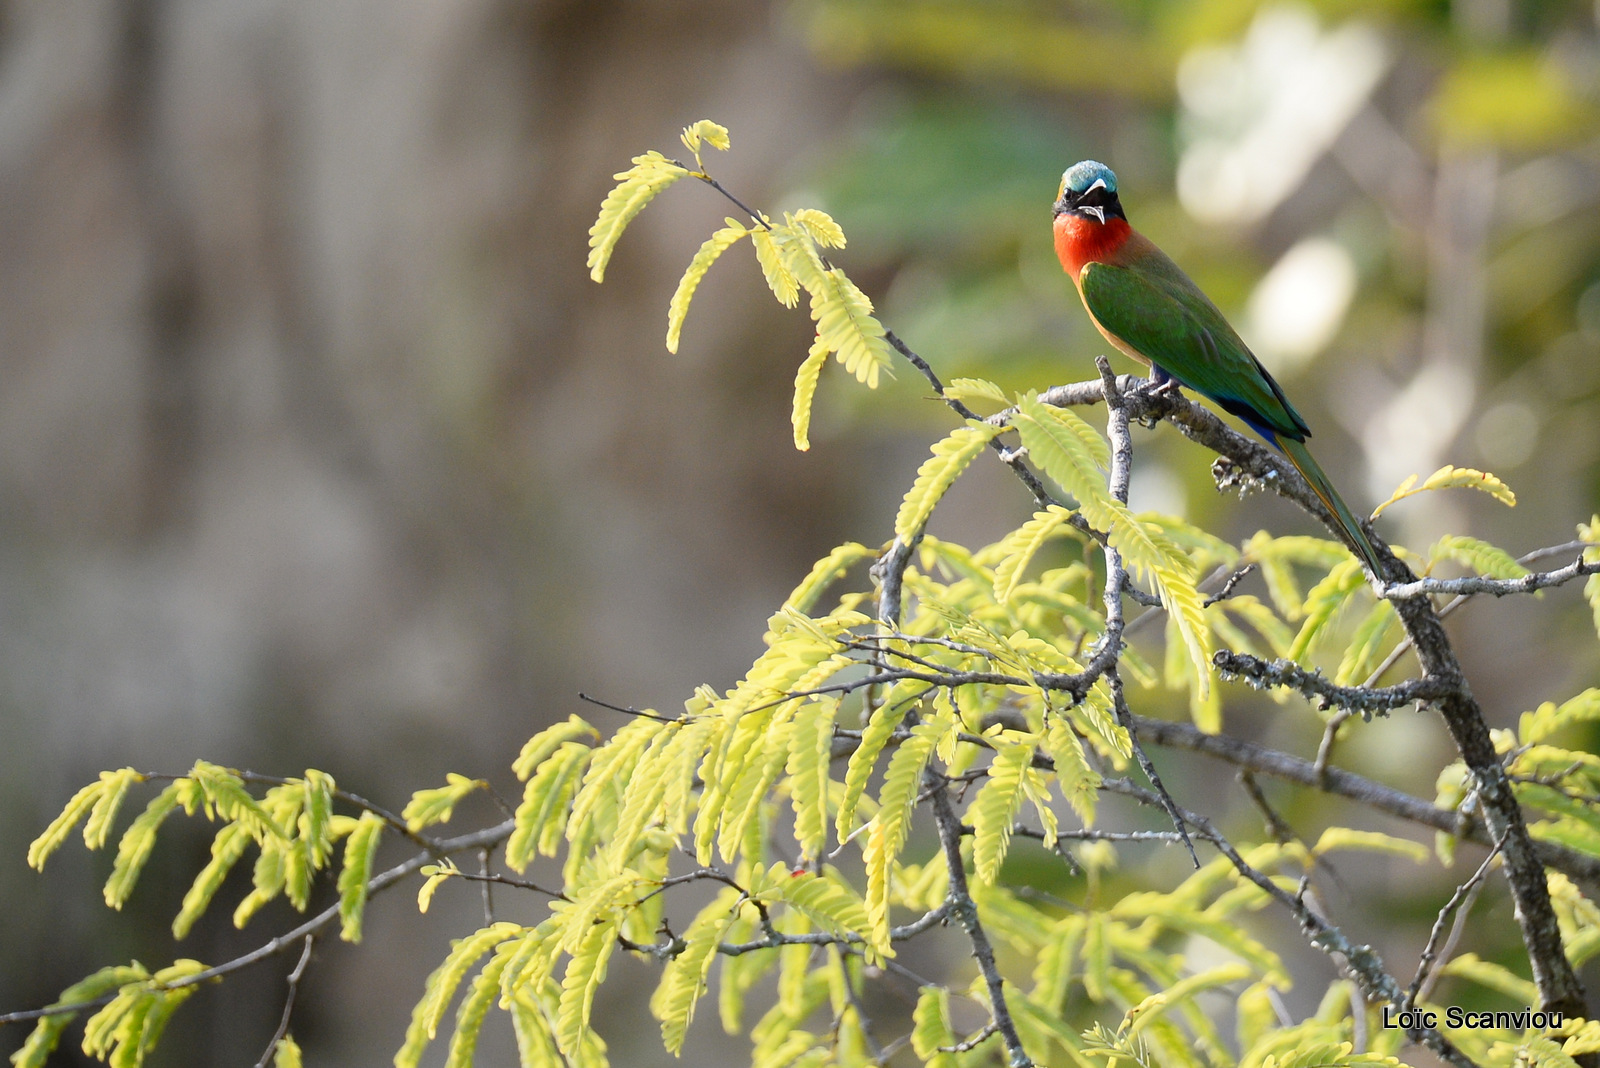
1089, 191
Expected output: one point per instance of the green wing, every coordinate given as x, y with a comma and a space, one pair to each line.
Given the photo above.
1157, 311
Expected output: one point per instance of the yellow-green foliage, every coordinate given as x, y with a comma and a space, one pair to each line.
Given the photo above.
294, 829
790, 255
999, 803
950, 457
707, 782
1448, 477
1559, 782
715, 245
684, 978
286, 1053
805, 388
126, 1029
889, 829
46, 1035
636, 187
442, 984
360, 849
428, 807
800, 791
933, 1034
1071, 452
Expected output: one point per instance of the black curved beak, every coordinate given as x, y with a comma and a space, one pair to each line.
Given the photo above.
1061, 207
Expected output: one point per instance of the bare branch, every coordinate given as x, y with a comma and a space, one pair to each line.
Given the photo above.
1476, 584
755, 216
773, 939
489, 878
288, 1002
1109, 650
983, 1035
1362, 961
1263, 674
1091, 834
1259, 758
1461, 599
965, 911
1227, 587
1042, 497
1464, 894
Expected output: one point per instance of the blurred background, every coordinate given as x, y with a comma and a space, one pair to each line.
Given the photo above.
319, 448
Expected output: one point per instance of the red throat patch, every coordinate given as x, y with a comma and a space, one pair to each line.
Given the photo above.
1080, 241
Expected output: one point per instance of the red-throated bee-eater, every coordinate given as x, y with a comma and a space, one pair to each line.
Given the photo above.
1148, 308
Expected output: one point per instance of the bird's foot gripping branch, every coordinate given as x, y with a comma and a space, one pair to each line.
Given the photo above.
937, 748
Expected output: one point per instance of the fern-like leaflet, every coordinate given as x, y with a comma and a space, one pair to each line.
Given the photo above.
636, 187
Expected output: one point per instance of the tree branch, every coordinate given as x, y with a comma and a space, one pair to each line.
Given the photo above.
965, 911
1430, 953
1559, 987
1109, 651
1362, 961
1042, 497
1332, 780
1264, 674
1455, 603
1475, 584
489, 836
774, 939
1280, 765
288, 1002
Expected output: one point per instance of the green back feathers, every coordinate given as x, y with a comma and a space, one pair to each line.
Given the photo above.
1153, 306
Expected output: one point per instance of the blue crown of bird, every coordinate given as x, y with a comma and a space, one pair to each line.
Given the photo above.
1089, 190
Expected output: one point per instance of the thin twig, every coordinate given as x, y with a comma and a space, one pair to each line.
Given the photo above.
1159, 610
1281, 832
1476, 584
1460, 900
965, 911
1125, 717
1042, 498
967, 1045
487, 883
1313, 684
625, 710
1109, 650
288, 1002
774, 938
1279, 828
759, 219
1363, 961
1227, 587
851, 995
1330, 734
507, 880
